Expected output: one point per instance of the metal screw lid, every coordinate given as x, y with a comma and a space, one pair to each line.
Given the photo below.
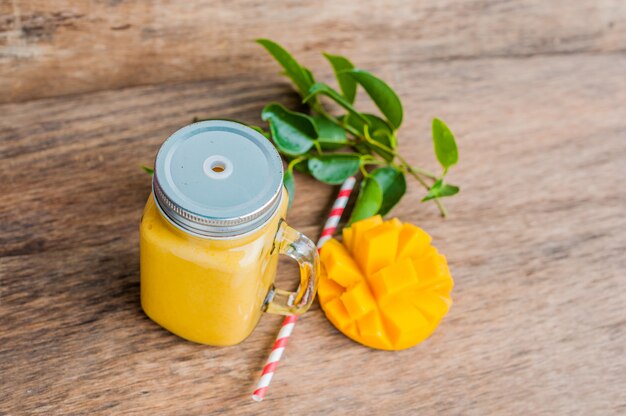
218, 178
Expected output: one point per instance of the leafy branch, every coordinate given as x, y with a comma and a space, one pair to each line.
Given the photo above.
332, 148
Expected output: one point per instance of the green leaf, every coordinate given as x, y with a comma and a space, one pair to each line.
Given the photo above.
309, 76
368, 202
346, 83
331, 136
363, 148
440, 190
384, 140
327, 90
302, 167
293, 133
379, 131
445, 145
334, 168
383, 96
148, 170
301, 77
393, 186
376, 125
290, 184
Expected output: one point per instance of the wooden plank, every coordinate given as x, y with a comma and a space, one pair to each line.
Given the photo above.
536, 244
64, 47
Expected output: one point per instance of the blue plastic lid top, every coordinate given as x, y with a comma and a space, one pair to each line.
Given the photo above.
218, 178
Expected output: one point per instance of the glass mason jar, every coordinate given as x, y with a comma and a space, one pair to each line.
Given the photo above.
211, 233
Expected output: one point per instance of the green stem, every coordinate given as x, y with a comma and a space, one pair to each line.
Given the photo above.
402, 159
442, 209
331, 141
316, 105
294, 162
341, 124
351, 129
375, 162
414, 171
399, 156
364, 171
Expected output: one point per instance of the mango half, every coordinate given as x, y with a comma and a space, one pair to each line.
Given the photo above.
385, 286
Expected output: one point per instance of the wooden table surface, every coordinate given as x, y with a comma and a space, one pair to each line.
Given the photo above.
536, 240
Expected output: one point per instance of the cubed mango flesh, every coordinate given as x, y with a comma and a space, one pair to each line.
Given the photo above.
396, 278
360, 227
351, 331
346, 234
404, 323
385, 286
337, 314
327, 289
396, 222
372, 331
339, 264
433, 273
413, 241
433, 305
376, 248
358, 300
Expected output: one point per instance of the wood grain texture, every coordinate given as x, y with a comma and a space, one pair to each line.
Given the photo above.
49, 48
536, 243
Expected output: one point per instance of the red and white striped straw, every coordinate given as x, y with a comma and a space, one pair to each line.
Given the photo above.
290, 320
335, 213
272, 361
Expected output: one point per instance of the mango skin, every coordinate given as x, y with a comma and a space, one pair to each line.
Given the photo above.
386, 286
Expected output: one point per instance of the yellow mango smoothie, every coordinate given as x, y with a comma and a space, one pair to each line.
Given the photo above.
211, 233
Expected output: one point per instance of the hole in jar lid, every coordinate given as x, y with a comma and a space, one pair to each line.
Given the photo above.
218, 167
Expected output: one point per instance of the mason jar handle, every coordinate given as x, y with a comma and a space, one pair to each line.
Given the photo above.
297, 246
